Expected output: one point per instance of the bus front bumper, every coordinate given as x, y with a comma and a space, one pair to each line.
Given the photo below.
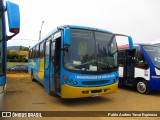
79, 92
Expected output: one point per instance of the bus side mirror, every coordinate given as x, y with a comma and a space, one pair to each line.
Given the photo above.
13, 18
66, 37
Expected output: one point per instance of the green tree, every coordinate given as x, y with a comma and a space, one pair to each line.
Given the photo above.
26, 49
22, 58
8, 51
20, 48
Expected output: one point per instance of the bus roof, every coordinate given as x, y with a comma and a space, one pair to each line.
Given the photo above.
70, 26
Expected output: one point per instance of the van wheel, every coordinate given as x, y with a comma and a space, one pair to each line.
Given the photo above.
142, 87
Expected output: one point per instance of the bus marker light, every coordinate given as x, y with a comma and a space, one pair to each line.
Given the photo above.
65, 76
15, 30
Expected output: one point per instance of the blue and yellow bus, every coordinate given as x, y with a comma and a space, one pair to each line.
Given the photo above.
14, 25
140, 67
76, 61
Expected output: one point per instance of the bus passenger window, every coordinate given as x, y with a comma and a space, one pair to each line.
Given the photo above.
41, 54
53, 51
47, 48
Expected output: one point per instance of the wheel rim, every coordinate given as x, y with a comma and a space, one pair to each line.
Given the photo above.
141, 87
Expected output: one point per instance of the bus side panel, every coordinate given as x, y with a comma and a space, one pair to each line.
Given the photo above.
33, 67
37, 67
46, 74
142, 73
40, 71
51, 79
154, 84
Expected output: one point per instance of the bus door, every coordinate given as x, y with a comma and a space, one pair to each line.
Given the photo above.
129, 65
46, 64
55, 84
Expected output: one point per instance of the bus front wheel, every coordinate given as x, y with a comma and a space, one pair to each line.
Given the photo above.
142, 87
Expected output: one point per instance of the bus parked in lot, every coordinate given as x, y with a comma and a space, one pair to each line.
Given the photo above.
76, 61
14, 24
140, 67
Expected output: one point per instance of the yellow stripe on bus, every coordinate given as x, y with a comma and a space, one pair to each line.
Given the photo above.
78, 92
41, 69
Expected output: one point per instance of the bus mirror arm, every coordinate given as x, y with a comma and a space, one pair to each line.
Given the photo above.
11, 36
65, 48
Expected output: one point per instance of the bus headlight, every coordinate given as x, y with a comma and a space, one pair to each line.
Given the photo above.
75, 82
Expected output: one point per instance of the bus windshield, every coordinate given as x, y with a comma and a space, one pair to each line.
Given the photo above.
91, 51
154, 54
1, 41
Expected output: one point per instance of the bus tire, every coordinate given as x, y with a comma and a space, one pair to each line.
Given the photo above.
142, 87
32, 78
51, 93
121, 85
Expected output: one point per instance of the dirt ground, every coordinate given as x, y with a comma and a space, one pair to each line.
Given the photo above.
24, 95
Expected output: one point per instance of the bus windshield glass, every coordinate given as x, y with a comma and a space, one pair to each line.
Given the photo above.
154, 54
91, 51
1, 42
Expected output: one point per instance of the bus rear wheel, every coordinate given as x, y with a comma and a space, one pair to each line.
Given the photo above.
32, 78
142, 87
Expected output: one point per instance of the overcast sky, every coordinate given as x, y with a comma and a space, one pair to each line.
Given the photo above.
137, 18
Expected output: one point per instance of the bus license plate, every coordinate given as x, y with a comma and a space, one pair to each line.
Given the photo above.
95, 94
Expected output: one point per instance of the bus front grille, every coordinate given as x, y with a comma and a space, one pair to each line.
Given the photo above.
95, 82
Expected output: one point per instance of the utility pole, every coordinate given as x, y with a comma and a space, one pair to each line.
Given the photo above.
40, 30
